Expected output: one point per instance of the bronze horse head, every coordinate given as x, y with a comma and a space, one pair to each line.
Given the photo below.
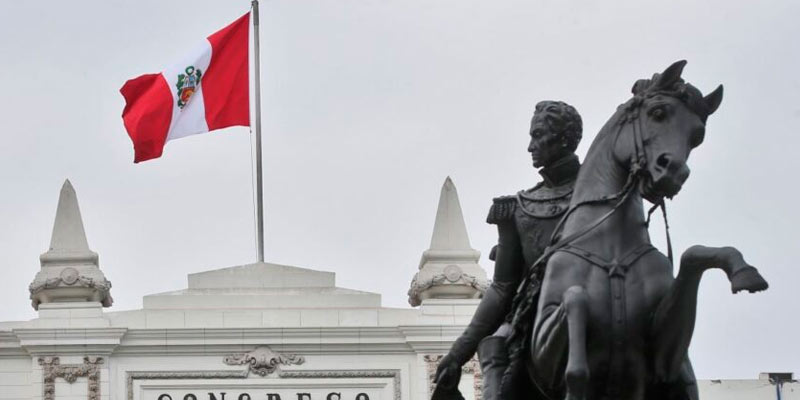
668, 117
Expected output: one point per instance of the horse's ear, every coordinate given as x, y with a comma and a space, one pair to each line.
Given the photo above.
671, 75
640, 86
713, 99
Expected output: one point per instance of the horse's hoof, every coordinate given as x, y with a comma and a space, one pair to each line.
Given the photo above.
748, 279
577, 380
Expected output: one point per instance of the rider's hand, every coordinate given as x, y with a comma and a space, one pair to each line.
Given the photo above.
448, 373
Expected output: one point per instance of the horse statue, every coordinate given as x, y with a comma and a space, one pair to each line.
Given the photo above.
612, 321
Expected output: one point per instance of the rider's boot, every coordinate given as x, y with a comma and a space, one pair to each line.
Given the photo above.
493, 357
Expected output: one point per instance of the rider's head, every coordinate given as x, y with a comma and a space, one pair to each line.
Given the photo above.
556, 130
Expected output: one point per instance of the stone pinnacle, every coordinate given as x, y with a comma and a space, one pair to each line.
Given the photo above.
449, 230
449, 269
69, 237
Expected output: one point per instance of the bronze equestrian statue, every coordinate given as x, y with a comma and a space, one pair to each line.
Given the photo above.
525, 223
612, 321
600, 314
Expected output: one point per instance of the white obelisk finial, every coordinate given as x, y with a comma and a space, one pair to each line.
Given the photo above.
449, 268
68, 237
70, 271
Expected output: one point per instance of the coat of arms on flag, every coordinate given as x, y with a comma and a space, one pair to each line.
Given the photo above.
187, 84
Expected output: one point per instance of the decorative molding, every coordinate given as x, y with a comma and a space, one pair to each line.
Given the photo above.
451, 276
70, 286
350, 373
69, 277
39, 342
130, 376
52, 369
262, 360
471, 367
379, 340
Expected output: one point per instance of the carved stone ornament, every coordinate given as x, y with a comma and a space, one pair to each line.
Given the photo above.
52, 369
449, 277
453, 273
471, 367
263, 361
69, 277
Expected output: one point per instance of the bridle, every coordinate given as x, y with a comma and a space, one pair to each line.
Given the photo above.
637, 171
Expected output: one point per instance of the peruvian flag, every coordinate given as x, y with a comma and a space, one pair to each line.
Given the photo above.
207, 89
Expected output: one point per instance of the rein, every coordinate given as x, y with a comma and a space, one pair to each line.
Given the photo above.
663, 207
622, 195
641, 160
637, 170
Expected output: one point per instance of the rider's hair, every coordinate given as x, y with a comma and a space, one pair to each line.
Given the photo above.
562, 119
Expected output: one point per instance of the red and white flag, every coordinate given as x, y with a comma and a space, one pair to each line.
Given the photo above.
207, 89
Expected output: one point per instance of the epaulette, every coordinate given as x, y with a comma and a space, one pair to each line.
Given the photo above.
502, 209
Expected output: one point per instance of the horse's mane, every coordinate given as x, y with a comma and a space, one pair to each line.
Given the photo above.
674, 87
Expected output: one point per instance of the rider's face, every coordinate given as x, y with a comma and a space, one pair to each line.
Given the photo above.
545, 146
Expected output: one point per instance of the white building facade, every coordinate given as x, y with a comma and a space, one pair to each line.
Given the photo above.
254, 332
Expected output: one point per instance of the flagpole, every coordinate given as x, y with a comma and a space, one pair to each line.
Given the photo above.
259, 183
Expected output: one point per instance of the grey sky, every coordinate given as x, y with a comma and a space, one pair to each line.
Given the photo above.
368, 105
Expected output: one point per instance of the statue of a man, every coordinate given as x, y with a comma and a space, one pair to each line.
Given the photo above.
525, 223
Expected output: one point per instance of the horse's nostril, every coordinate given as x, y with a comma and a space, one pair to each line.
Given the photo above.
663, 161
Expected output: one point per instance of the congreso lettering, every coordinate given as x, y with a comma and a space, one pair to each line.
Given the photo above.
266, 396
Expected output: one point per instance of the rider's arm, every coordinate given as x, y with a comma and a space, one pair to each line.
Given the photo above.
497, 300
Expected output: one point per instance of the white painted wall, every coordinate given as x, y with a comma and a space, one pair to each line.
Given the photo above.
746, 389
15, 379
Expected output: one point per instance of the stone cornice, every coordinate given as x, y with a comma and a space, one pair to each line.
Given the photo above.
309, 341
248, 335
431, 339
40, 341
330, 335
9, 345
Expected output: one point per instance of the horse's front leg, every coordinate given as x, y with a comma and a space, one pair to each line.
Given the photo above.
558, 345
576, 302
674, 319
564, 332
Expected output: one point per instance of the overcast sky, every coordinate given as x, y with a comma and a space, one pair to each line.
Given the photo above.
367, 106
